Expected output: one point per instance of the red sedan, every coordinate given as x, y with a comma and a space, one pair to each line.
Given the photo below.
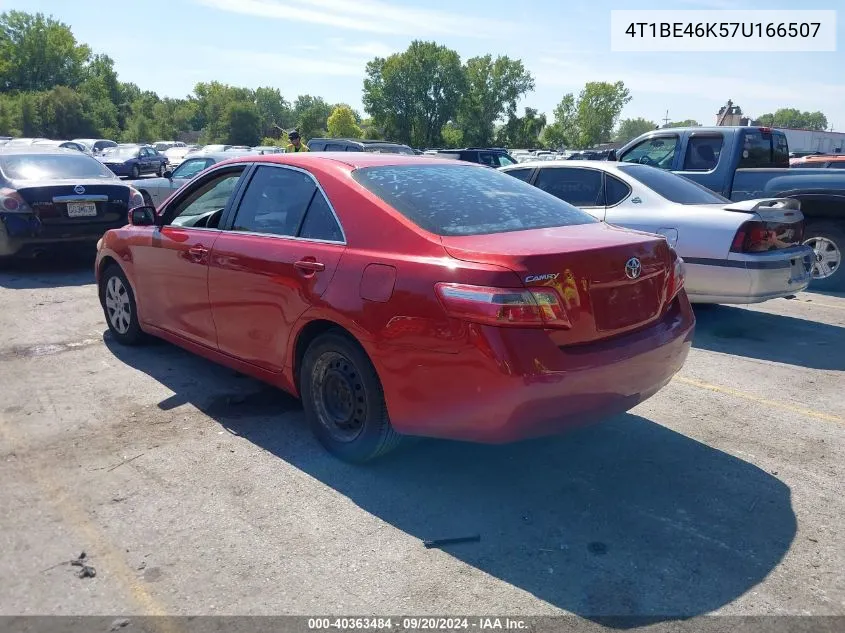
402, 296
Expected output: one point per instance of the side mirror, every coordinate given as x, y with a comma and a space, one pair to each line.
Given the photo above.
168, 174
611, 155
142, 216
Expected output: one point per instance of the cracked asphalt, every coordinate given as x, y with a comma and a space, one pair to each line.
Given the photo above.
193, 490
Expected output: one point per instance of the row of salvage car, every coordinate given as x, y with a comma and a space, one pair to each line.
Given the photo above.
411, 295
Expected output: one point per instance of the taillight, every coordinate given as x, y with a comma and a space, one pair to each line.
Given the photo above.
513, 307
677, 278
135, 199
11, 201
753, 237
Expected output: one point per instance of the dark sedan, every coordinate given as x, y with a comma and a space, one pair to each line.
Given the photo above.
51, 197
134, 160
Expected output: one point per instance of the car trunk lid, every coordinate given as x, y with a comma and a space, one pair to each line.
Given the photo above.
610, 280
781, 219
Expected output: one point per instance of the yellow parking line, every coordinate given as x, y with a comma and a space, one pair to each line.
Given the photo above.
771, 403
74, 515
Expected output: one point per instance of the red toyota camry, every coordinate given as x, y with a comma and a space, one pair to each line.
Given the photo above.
400, 295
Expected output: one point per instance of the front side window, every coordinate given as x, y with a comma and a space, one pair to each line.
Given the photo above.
504, 161
207, 198
457, 199
191, 168
578, 187
656, 152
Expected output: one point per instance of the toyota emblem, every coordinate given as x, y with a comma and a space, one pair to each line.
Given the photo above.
633, 268
79, 190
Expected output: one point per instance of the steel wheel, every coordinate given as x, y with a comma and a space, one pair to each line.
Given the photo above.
117, 305
339, 396
828, 258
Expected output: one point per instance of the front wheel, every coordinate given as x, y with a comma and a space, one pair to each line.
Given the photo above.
828, 243
161, 170
119, 306
136, 172
343, 400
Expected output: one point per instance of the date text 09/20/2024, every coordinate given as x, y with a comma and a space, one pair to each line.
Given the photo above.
416, 624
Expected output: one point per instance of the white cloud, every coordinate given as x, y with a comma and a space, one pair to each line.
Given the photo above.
286, 64
374, 16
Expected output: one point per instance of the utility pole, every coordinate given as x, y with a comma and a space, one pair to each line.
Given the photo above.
666, 118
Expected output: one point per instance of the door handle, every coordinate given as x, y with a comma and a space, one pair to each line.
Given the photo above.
309, 266
196, 253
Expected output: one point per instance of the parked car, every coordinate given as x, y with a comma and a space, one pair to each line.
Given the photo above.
163, 146
216, 148
134, 160
743, 163
491, 157
23, 142
826, 161
51, 197
175, 156
96, 145
157, 190
402, 295
268, 149
733, 252
79, 147
357, 145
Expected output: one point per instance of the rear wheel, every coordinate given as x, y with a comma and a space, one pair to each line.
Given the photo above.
343, 400
119, 306
136, 172
828, 243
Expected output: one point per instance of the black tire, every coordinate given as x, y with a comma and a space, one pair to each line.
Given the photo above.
115, 287
136, 172
828, 240
343, 400
161, 169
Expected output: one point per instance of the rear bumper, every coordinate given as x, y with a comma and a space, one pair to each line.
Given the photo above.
509, 384
23, 234
749, 278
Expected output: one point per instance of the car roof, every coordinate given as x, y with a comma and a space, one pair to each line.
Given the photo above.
355, 160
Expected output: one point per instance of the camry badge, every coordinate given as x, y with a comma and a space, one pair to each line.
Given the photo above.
546, 277
633, 268
79, 190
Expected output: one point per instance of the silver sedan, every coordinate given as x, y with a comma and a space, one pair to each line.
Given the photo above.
157, 190
734, 252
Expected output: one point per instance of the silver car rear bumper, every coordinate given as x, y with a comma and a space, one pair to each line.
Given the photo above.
749, 278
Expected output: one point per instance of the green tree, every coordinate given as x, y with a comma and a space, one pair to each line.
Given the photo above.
411, 95
453, 135
794, 118
311, 116
492, 89
564, 131
275, 112
522, 131
631, 128
684, 123
599, 106
38, 53
243, 122
341, 123
64, 114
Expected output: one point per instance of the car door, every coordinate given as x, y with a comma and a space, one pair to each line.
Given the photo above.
275, 259
582, 187
172, 263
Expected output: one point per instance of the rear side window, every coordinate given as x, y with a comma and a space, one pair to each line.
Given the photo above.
615, 191
49, 166
454, 199
275, 201
320, 223
757, 149
671, 186
578, 187
781, 149
317, 146
703, 153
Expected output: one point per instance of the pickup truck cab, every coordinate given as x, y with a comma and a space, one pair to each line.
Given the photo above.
744, 163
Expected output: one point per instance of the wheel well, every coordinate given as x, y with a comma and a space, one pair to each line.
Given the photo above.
310, 332
814, 207
105, 263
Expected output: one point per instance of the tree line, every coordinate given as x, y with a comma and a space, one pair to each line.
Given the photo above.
51, 85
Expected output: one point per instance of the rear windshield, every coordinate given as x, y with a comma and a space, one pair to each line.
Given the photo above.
671, 186
49, 166
124, 152
455, 199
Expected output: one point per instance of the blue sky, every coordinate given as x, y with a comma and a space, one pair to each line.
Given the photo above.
321, 47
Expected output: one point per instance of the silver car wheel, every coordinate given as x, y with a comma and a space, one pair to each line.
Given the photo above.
827, 259
117, 305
